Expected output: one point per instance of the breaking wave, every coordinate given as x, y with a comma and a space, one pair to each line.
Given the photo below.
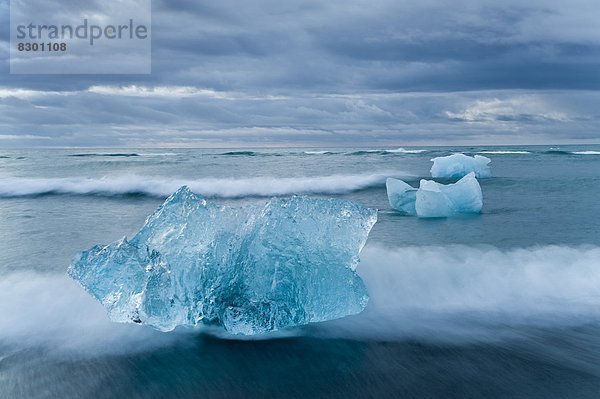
456, 278
38, 309
455, 293
209, 187
467, 292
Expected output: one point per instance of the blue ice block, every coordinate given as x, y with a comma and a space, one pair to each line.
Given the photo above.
433, 199
439, 200
250, 270
459, 165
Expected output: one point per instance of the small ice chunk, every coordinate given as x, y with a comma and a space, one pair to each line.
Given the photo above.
459, 165
439, 200
401, 195
434, 199
249, 270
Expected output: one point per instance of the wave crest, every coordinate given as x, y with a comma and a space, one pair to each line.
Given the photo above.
209, 187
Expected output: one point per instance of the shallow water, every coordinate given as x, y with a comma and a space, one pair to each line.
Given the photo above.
502, 304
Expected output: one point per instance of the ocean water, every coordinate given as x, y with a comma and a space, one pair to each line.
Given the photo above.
502, 304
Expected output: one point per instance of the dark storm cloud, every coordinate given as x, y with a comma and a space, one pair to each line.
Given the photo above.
331, 72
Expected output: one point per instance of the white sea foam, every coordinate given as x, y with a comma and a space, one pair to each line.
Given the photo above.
461, 292
456, 278
210, 187
52, 310
586, 152
456, 293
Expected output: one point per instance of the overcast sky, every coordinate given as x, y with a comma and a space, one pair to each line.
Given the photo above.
335, 72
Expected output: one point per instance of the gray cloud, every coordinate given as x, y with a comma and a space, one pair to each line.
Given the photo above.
312, 72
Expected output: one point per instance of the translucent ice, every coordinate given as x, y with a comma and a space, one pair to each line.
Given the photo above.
439, 200
250, 270
434, 199
460, 165
401, 195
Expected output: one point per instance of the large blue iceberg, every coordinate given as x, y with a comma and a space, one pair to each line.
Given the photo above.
250, 270
434, 199
456, 166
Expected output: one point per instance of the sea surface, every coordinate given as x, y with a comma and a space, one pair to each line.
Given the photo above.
505, 304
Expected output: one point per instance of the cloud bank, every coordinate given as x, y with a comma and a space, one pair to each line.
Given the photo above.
341, 73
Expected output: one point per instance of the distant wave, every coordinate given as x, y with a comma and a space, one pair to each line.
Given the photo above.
116, 154
250, 154
210, 187
365, 152
383, 152
318, 152
158, 154
404, 151
247, 153
504, 152
563, 152
124, 154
